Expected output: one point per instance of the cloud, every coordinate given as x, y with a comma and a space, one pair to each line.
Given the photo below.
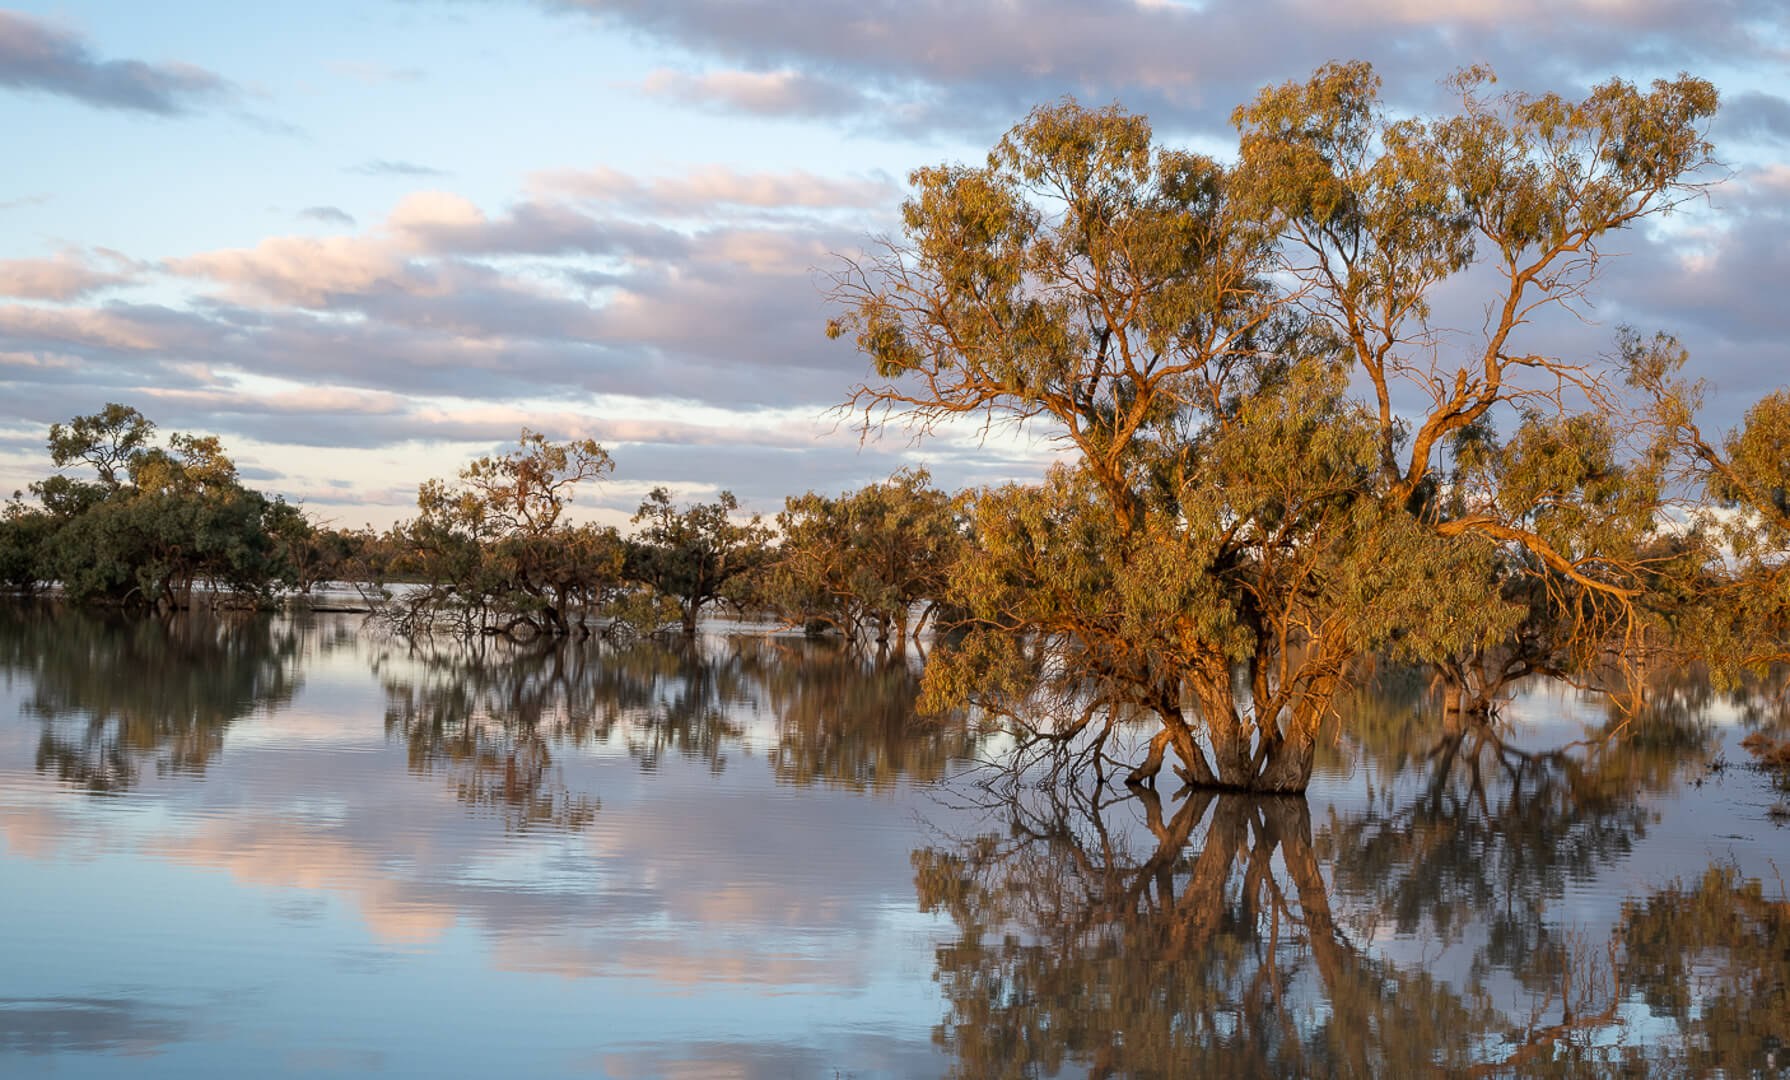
978, 65
715, 190
68, 276
436, 222
328, 215
304, 270
421, 252
1755, 115
765, 93
26, 200
388, 167
36, 56
444, 298
1727, 290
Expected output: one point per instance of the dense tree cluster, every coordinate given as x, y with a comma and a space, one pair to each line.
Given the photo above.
869, 562
147, 524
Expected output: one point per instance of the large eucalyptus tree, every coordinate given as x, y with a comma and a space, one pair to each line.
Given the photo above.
1258, 402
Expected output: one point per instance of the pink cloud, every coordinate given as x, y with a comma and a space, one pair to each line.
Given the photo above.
68, 276
702, 192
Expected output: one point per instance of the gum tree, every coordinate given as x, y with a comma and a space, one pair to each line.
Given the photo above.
495, 545
1236, 524
695, 556
1731, 607
153, 522
861, 562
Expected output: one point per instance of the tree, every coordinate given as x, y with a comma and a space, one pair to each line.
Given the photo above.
861, 562
1233, 522
1730, 607
495, 546
1566, 480
695, 556
24, 534
178, 516
107, 440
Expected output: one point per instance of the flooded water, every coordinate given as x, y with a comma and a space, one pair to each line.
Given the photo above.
254, 846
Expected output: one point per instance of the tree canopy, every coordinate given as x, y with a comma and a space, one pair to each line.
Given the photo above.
1228, 352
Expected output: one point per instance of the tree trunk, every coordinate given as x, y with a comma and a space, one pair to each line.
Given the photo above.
1146, 770
1286, 770
1284, 767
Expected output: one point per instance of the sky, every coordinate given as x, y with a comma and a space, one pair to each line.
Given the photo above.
367, 241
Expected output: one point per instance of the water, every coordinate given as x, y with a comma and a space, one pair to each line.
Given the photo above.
237, 846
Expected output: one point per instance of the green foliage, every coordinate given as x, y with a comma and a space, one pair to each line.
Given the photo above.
108, 440
155, 522
493, 550
24, 534
695, 556
860, 563
152, 547
1724, 600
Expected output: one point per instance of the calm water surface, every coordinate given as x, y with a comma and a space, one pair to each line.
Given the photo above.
240, 846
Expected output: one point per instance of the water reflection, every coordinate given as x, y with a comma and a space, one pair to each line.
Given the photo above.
489, 715
1420, 933
1212, 951
713, 845
40, 1026
1481, 828
847, 719
1713, 956
117, 694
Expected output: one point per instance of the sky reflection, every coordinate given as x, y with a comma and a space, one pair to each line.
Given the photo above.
230, 840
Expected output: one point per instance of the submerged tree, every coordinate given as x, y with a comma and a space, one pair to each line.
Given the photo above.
860, 563
494, 548
153, 523
1730, 609
1567, 480
1235, 528
695, 556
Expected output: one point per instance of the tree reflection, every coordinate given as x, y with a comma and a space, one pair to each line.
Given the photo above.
1484, 828
1221, 936
1212, 952
847, 717
492, 714
117, 695
1714, 957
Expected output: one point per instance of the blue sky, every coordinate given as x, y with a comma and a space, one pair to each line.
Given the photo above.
367, 241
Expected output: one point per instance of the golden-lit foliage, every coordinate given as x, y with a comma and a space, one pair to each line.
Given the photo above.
861, 562
1237, 526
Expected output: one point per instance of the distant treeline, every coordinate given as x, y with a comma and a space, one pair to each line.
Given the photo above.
141, 524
